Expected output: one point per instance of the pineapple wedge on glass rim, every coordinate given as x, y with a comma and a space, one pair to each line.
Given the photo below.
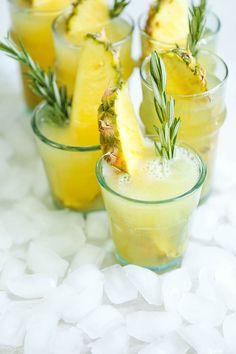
98, 69
87, 16
121, 138
168, 21
185, 76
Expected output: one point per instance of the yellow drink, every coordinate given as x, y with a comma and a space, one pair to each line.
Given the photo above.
119, 32
70, 168
208, 42
202, 115
150, 211
32, 26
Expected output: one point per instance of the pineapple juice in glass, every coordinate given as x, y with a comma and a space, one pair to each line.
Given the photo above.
31, 24
150, 187
70, 148
208, 42
202, 114
150, 212
118, 31
70, 168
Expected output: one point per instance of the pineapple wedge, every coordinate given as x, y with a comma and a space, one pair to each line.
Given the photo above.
184, 75
98, 68
168, 21
120, 135
87, 16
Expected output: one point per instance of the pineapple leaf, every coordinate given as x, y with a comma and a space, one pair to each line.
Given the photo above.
169, 125
197, 24
118, 7
42, 84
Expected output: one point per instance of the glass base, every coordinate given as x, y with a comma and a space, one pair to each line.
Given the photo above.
173, 264
95, 205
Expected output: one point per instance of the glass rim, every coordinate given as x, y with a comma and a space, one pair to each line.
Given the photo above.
193, 95
210, 35
38, 12
197, 185
55, 144
64, 40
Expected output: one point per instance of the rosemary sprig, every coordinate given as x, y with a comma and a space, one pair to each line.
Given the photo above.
169, 125
42, 83
197, 23
118, 7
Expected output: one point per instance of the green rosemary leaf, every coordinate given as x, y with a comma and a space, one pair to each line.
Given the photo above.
169, 125
42, 83
197, 23
118, 7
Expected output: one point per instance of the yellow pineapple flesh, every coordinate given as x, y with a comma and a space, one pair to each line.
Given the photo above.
184, 74
87, 16
168, 21
121, 138
98, 69
49, 5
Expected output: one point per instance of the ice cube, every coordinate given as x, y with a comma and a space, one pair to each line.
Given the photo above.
60, 221
203, 339
5, 239
71, 306
148, 326
13, 268
171, 344
40, 182
6, 150
174, 285
225, 236
67, 340
84, 276
198, 310
97, 226
12, 329
42, 260
117, 286
198, 257
204, 223
146, 282
225, 284
41, 329
64, 243
229, 326
115, 342
231, 210
20, 228
31, 286
3, 258
17, 185
88, 254
20, 138
207, 286
4, 302
100, 321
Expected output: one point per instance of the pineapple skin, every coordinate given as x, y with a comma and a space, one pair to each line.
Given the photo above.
109, 134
